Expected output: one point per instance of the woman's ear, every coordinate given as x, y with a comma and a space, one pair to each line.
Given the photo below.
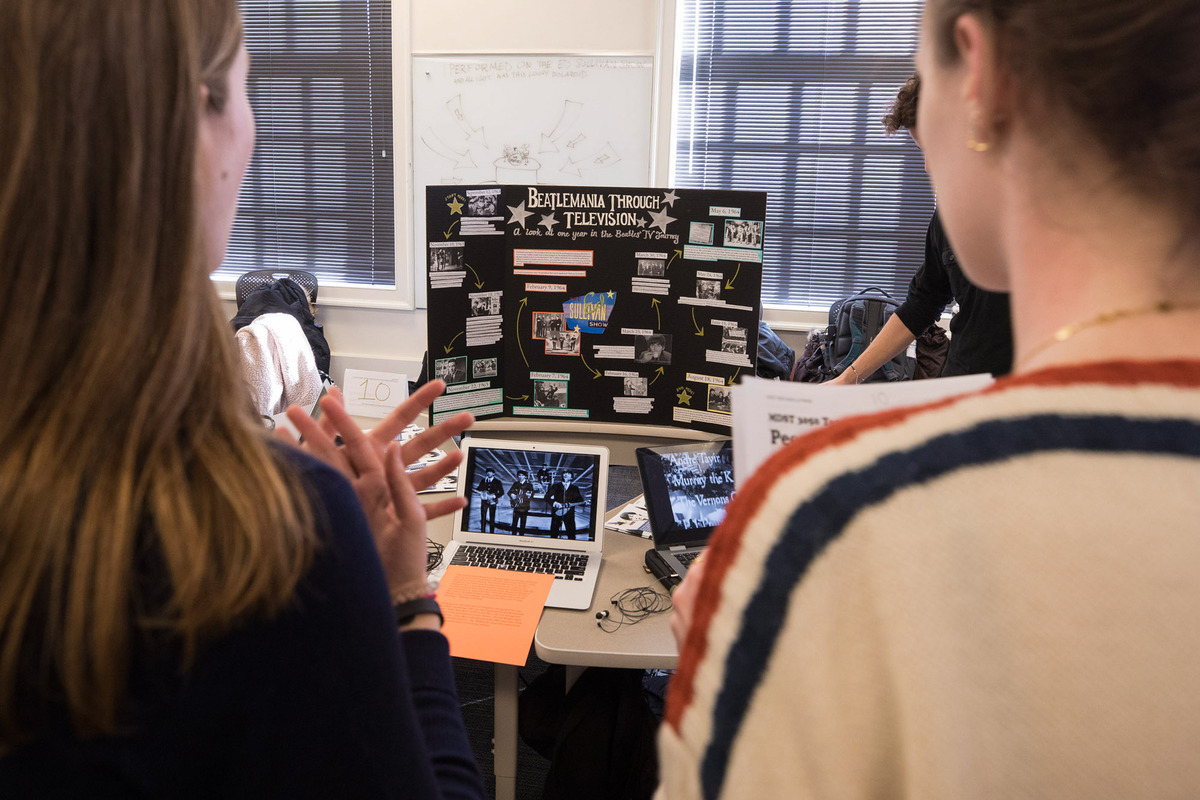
986, 87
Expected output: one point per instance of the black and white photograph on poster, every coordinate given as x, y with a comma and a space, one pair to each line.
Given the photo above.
451, 370
708, 289
635, 387
550, 394
446, 256
547, 324
484, 368
483, 202
531, 494
718, 399
563, 343
485, 304
733, 340
652, 349
700, 233
743, 233
651, 267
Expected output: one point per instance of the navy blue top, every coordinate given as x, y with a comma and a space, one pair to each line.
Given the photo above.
326, 700
981, 331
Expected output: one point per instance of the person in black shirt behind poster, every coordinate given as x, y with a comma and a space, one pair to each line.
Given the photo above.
562, 498
489, 490
980, 333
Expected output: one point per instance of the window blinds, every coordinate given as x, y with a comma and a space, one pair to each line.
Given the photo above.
787, 97
319, 191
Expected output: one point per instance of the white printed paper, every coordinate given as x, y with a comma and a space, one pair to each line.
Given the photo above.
768, 414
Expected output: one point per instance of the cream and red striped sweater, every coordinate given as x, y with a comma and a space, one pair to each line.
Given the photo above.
993, 596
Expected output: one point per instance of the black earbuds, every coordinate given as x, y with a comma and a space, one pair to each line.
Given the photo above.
634, 605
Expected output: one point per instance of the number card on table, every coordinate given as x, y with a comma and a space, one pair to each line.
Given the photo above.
373, 394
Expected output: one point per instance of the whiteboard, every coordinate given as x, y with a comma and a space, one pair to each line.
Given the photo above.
528, 119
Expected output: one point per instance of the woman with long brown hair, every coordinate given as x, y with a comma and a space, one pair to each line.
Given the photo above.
186, 608
996, 595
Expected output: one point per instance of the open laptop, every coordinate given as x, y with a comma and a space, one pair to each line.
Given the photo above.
687, 487
534, 507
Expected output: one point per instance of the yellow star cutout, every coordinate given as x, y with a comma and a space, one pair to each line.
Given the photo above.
684, 396
455, 207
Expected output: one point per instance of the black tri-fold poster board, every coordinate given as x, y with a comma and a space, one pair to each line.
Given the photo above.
597, 304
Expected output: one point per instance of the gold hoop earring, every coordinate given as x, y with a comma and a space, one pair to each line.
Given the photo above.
972, 142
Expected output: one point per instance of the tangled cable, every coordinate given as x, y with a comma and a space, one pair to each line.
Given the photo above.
434, 554
634, 605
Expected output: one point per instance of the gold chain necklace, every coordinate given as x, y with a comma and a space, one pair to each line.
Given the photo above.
1104, 318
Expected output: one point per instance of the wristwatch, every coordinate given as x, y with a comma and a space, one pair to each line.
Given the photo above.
406, 611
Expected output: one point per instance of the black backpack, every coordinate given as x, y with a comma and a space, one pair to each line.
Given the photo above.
854, 322
776, 358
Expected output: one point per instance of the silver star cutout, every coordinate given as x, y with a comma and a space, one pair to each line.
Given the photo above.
519, 214
660, 220
548, 221
670, 197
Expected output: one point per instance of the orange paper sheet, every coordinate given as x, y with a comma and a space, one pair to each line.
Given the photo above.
491, 614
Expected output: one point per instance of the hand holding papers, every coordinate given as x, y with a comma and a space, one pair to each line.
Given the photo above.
768, 414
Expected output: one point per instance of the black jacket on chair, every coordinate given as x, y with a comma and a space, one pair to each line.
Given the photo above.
285, 296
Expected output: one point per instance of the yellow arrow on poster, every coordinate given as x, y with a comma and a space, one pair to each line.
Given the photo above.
655, 305
522, 397
520, 308
479, 280
595, 374
450, 230
658, 373
729, 283
450, 347
699, 329
733, 377
678, 253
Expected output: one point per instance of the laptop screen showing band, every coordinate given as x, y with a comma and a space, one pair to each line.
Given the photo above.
540, 493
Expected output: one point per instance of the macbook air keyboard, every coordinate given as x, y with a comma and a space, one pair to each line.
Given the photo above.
563, 566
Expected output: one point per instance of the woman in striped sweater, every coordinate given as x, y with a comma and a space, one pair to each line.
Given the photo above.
996, 595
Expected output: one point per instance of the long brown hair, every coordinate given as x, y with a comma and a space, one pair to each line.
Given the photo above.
126, 438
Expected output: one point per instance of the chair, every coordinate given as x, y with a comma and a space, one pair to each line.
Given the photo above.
255, 279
